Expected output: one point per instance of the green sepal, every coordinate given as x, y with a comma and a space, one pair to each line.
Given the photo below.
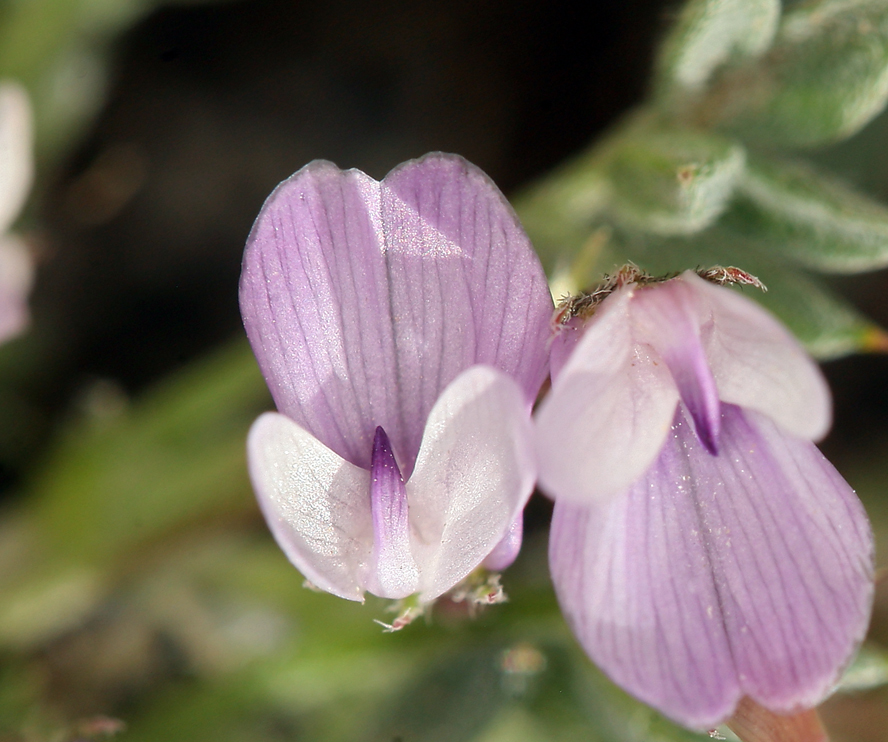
671, 181
791, 209
825, 78
709, 33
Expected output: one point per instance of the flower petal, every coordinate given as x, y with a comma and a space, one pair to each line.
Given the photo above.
793, 560
443, 207
633, 582
315, 502
363, 300
715, 577
759, 365
315, 304
474, 473
665, 317
16, 159
392, 573
608, 413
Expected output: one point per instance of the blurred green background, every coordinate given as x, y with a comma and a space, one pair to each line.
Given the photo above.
138, 584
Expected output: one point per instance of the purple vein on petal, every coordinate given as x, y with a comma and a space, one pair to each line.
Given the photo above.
713, 577
267, 336
767, 559
316, 350
673, 543
667, 319
785, 537
363, 300
716, 499
683, 543
393, 572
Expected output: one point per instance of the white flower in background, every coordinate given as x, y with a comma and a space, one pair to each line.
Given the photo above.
16, 174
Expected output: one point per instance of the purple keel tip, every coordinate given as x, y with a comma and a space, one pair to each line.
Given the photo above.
393, 571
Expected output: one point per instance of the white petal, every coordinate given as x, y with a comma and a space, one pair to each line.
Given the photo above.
608, 413
16, 160
759, 365
474, 473
316, 503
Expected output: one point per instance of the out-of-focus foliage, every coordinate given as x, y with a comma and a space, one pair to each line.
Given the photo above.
694, 178
869, 670
118, 484
144, 547
57, 49
706, 35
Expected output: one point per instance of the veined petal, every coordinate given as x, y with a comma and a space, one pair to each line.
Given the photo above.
392, 573
714, 577
793, 560
633, 581
315, 503
16, 275
453, 236
16, 159
608, 413
474, 474
758, 364
665, 317
364, 300
314, 297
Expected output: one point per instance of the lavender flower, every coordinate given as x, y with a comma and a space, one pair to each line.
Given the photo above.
16, 172
401, 326
702, 548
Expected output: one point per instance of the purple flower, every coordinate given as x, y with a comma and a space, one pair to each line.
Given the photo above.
401, 326
16, 172
702, 548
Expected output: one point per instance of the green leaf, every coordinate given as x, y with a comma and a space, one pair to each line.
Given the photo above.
825, 77
826, 226
868, 670
827, 325
671, 181
646, 176
710, 32
19, 694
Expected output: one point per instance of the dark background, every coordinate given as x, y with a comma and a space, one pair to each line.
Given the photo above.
140, 229
211, 106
